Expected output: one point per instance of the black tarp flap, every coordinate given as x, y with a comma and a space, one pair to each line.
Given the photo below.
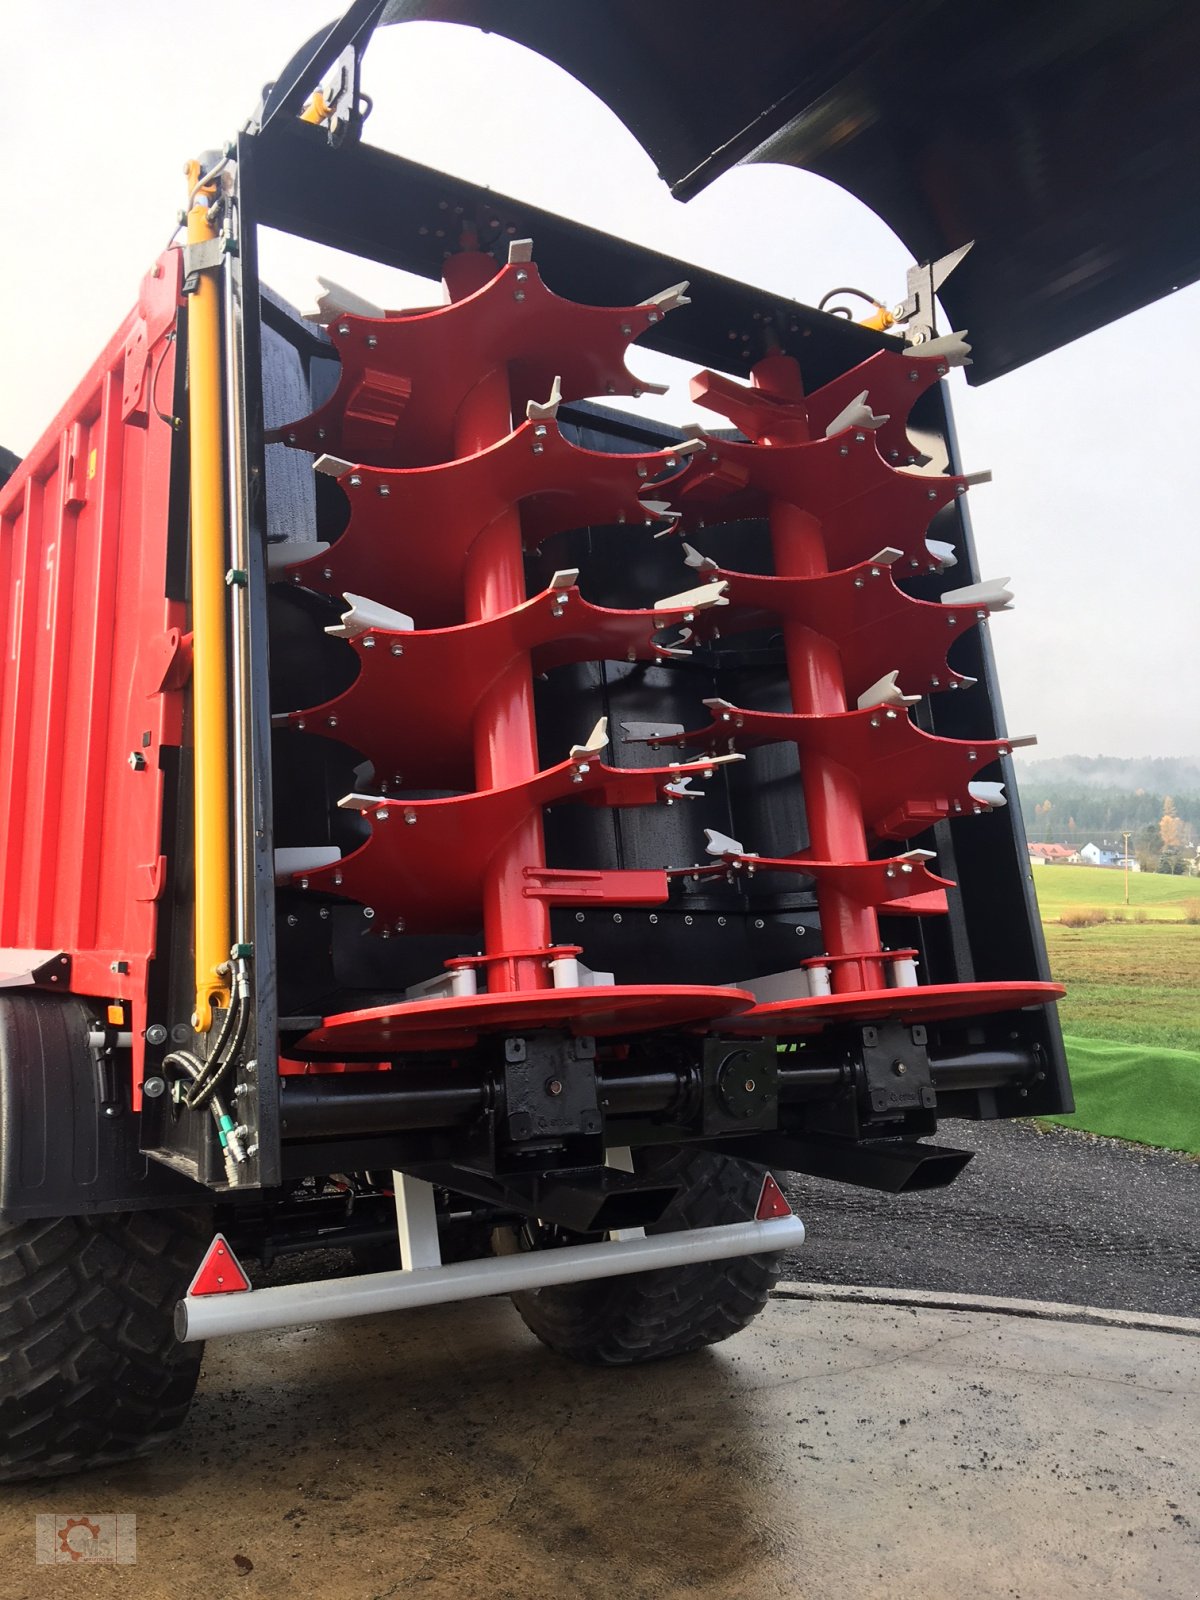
1063, 137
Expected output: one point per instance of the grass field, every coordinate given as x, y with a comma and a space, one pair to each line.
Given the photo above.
1136, 984
1133, 999
1152, 894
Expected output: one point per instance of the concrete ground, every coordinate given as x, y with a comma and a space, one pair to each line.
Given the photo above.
836, 1450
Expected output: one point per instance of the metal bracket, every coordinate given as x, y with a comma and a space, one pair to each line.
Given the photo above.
917, 310
896, 1071
741, 1085
550, 1088
203, 257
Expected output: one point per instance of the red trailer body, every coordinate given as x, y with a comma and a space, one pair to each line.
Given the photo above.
92, 673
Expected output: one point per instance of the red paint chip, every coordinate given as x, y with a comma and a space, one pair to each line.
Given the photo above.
771, 1202
220, 1272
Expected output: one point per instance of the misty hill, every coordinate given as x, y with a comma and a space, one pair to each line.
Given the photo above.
1067, 797
1161, 774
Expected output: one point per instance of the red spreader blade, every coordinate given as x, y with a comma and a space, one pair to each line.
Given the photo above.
771, 1201
220, 1272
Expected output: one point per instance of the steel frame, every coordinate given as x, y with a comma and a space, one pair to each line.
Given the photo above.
331, 1300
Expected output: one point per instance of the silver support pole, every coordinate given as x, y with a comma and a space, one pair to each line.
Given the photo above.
299, 1304
416, 1222
239, 521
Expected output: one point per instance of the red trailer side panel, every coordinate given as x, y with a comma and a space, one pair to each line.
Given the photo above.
92, 666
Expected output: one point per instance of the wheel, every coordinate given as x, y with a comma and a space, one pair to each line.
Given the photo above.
648, 1316
90, 1370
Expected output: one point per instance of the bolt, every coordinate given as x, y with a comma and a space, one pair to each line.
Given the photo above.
579, 916
156, 1034
137, 761
749, 1086
153, 1087
372, 341
899, 1068
293, 920
759, 923
554, 1086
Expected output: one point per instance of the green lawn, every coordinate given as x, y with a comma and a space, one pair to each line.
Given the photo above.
1137, 984
1159, 897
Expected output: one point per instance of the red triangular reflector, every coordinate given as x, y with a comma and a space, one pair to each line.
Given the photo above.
771, 1201
220, 1272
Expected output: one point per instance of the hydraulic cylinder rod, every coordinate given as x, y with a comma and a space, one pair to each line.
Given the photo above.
210, 675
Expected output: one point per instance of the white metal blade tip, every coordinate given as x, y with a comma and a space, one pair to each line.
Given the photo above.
545, 410
857, 414
596, 742
987, 794
990, 595
669, 299
720, 844
886, 692
952, 348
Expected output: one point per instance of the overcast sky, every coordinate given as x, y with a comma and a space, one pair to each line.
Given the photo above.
1093, 511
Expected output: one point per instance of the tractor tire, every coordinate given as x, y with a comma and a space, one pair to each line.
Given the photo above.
90, 1370
649, 1316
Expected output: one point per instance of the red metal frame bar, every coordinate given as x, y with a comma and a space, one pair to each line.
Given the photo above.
389, 551
422, 738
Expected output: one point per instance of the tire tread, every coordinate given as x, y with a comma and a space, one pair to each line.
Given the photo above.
90, 1370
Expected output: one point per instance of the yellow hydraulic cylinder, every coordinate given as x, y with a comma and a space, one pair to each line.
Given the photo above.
210, 646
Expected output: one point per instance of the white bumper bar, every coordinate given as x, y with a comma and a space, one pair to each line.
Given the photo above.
298, 1304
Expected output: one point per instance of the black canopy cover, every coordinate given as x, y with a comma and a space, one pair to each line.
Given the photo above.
1063, 136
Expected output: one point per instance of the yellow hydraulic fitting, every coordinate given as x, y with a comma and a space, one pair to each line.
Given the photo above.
318, 109
881, 319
